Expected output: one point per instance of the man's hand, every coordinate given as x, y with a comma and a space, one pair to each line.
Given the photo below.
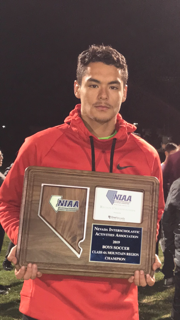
140, 279
31, 272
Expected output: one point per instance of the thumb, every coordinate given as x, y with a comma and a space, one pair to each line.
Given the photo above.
12, 255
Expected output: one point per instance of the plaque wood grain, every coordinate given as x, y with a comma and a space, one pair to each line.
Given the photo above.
54, 240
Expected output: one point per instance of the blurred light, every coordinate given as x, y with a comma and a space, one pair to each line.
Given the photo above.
3, 126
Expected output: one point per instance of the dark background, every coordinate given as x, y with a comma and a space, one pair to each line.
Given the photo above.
39, 44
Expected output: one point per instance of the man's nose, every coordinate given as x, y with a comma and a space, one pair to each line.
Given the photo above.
103, 93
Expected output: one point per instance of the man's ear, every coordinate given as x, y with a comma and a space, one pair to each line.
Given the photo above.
125, 93
76, 89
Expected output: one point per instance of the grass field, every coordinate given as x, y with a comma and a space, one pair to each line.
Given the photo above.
154, 302
9, 304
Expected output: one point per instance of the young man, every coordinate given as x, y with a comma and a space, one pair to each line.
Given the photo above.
93, 137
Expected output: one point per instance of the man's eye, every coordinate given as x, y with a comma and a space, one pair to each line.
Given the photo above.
113, 88
93, 86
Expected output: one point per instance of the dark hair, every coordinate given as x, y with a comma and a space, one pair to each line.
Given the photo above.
101, 53
170, 147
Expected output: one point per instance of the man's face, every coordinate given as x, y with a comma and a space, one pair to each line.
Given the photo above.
1, 158
101, 93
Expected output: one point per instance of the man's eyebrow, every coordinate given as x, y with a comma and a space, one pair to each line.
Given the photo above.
111, 82
94, 80
115, 82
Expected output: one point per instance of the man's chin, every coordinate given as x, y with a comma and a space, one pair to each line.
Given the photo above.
101, 120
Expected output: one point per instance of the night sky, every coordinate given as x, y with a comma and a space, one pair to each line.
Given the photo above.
39, 44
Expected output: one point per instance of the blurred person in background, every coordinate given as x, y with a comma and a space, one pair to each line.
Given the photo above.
168, 267
3, 289
170, 148
171, 171
171, 230
2, 176
7, 265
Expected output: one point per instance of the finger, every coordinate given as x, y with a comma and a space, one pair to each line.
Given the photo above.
142, 279
12, 255
28, 272
34, 271
157, 263
136, 278
131, 279
39, 274
20, 273
150, 280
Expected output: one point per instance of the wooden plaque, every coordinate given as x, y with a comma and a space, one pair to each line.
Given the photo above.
87, 223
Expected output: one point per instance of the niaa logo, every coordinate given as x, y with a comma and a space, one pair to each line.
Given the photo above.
114, 197
60, 204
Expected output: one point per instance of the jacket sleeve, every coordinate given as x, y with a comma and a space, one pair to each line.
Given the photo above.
169, 224
11, 190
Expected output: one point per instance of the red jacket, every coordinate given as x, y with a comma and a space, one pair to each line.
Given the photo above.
68, 146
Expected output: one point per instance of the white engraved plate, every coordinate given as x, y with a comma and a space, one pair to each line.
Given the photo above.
118, 205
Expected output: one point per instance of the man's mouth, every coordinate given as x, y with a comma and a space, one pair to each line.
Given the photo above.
102, 107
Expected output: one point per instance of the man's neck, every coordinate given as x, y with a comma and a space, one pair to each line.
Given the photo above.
100, 130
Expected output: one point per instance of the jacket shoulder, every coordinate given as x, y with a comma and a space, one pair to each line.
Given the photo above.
40, 143
144, 145
47, 136
147, 153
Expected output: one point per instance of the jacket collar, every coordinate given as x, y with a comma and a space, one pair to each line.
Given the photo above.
123, 128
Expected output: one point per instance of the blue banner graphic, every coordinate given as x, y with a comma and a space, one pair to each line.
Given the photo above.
116, 244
